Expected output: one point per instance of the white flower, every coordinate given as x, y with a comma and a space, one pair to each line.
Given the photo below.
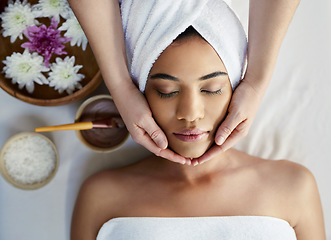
64, 75
25, 69
53, 9
16, 17
75, 32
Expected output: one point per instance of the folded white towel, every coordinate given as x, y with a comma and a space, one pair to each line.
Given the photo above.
197, 228
150, 26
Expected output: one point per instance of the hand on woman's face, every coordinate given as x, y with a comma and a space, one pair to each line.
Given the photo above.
188, 91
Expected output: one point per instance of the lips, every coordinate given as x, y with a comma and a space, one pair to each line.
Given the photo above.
191, 135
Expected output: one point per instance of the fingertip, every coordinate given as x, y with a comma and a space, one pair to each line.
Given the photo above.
220, 140
184, 162
167, 154
162, 144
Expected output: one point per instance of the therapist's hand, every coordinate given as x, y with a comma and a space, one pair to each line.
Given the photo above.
241, 113
138, 119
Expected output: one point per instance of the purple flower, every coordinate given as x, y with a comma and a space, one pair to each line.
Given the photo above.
45, 41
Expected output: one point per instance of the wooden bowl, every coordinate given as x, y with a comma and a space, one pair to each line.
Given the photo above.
10, 179
43, 95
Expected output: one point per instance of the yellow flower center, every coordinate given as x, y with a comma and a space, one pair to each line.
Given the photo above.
55, 3
19, 19
24, 67
65, 75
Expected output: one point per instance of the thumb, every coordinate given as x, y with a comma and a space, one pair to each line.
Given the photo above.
156, 134
226, 128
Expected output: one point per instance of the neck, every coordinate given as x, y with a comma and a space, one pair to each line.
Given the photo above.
192, 174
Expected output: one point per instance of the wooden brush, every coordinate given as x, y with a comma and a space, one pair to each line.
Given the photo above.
115, 122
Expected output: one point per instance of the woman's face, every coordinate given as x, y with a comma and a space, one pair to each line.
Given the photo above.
189, 91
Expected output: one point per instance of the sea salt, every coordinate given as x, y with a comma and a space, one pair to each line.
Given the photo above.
29, 159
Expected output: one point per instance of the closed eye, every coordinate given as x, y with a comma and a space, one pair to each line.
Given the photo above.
219, 91
167, 95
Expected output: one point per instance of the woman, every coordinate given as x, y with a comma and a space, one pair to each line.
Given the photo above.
232, 196
268, 22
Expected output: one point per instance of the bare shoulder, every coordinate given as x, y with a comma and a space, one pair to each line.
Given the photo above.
101, 197
291, 175
305, 204
295, 185
99, 184
283, 173
289, 180
118, 181
86, 218
98, 190
113, 180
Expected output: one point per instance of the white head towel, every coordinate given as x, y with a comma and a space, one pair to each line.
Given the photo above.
150, 26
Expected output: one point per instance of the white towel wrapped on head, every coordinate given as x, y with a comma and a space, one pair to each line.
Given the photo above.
150, 26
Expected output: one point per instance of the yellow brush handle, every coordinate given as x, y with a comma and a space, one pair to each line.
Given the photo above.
71, 126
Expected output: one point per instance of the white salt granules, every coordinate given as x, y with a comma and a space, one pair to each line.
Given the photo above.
29, 159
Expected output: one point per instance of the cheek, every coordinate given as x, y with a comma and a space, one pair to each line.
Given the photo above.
217, 111
222, 109
161, 116
163, 111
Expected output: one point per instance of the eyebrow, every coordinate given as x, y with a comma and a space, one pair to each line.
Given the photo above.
212, 75
172, 78
164, 76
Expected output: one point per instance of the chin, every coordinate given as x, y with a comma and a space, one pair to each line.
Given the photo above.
189, 151
189, 155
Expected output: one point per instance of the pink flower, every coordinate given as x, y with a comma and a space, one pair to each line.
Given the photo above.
45, 41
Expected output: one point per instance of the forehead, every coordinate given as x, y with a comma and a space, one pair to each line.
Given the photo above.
190, 57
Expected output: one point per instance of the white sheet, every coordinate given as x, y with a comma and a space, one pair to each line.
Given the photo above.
292, 123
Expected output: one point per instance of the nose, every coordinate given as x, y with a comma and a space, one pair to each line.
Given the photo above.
190, 107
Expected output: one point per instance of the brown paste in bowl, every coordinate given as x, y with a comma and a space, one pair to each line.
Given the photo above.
102, 137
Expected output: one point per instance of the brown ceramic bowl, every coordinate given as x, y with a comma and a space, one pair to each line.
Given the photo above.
44, 95
100, 140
